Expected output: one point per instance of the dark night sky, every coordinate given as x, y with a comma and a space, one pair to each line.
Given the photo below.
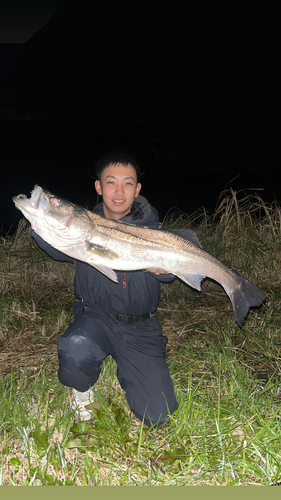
207, 79
19, 21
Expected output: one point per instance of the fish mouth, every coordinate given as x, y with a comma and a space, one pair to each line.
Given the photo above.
20, 200
19, 197
35, 201
36, 198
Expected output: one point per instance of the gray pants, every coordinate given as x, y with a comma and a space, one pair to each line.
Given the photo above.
138, 349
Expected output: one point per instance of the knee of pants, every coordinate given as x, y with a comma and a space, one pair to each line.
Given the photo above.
77, 367
81, 350
153, 409
157, 417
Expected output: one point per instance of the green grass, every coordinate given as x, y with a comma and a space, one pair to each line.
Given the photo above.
226, 430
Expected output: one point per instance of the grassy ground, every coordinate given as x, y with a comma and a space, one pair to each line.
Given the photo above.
226, 430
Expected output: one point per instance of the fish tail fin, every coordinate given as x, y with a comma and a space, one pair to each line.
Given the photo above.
244, 296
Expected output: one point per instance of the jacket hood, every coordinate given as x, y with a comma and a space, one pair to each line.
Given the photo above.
142, 213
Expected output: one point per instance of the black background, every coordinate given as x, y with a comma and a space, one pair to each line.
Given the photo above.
192, 90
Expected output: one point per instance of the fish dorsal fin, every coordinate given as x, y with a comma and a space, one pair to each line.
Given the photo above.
192, 279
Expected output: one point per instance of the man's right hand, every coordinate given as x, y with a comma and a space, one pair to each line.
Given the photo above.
157, 271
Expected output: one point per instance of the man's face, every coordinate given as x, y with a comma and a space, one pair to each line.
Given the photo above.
118, 187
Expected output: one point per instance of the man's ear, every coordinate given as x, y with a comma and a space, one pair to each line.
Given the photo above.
98, 187
138, 188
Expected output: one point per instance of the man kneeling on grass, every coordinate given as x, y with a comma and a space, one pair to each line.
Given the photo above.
115, 318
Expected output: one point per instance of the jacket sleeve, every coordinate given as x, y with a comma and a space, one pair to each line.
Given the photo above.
52, 252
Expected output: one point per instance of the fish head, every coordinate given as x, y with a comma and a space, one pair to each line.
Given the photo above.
52, 217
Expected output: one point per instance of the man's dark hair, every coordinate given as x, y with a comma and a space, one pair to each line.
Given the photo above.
114, 157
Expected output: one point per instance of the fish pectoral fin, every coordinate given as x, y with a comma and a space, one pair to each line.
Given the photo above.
193, 280
107, 272
101, 251
97, 250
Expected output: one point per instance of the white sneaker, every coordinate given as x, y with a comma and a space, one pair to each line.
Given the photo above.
79, 401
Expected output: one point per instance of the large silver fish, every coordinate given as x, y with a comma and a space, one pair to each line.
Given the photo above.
107, 245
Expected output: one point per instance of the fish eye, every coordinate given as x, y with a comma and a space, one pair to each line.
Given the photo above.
56, 202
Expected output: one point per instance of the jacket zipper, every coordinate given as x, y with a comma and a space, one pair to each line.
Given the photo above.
124, 280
